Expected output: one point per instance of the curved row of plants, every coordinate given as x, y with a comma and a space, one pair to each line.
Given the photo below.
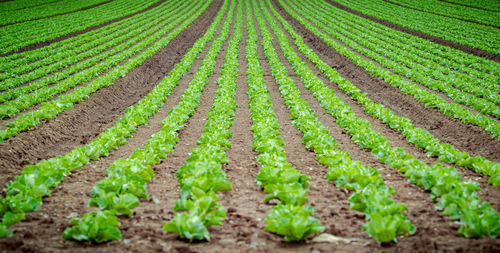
55, 107
407, 56
290, 218
401, 63
27, 33
421, 94
19, 74
457, 199
371, 196
88, 65
69, 44
24, 194
461, 32
450, 10
46, 10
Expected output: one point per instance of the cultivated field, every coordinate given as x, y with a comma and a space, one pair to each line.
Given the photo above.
250, 125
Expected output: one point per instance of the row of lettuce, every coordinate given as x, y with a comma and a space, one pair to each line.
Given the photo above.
47, 86
20, 14
483, 16
23, 34
134, 57
391, 54
127, 178
457, 199
403, 64
462, 32
64, 64
24, 194
421, 94
290, 217
414, 135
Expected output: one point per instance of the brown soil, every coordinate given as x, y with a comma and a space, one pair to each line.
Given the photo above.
243, 229
467, 49
59, 14
48, 42
101, 110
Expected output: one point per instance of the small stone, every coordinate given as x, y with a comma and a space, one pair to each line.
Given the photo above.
253, 245
126, 241
315, 251
155, 199
72, 215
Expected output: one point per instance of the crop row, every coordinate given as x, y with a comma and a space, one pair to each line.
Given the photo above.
457, 199
27, 33
53, 108
24, 194
404, 63
22, 4
371, 195
453, 61
20, 74
470, 34
88, 69
414, 135
492, 5
453, 11
421, 94
127, 178
393, 54
290, 218
9, 17
78, 43
85, 70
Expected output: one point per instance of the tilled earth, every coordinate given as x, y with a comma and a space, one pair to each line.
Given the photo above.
243, 229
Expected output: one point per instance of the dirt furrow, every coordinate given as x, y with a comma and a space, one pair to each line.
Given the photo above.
431, 226
466, 49
60, 14
74, 192
102, 109
466, 137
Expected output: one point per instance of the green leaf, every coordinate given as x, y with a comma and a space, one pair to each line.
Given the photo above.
96, 227
295, 223
187, 226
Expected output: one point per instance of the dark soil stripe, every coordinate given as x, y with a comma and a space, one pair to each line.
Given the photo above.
437, 14
466, 49
48, 42
60, 14
470, 6
86, 120
467, 137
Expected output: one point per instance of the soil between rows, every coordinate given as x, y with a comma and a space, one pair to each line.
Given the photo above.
467, 49
48, 42
243, 229
77, 126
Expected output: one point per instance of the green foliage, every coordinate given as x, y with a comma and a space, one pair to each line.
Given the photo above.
95, 227
294, 222
25, 193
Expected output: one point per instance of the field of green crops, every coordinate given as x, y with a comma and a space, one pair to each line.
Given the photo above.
250, 125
